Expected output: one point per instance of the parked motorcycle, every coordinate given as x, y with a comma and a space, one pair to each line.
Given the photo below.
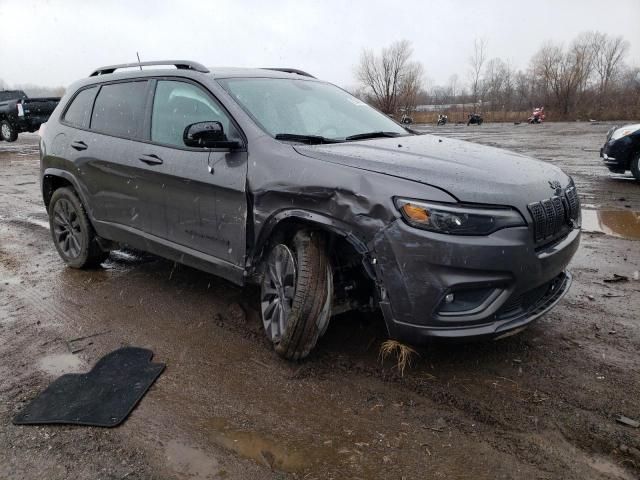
474, 119
537, 116
406, 119
442, 119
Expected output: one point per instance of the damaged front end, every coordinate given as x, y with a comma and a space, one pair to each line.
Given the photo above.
475, 270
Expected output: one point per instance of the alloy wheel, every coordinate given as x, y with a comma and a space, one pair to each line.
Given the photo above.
66, 228
278, 290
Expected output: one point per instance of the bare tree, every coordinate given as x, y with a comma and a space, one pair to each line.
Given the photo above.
608, 53
452, 91
410, 87
494, 79
476, 63
390, 75
563, 73
523, 87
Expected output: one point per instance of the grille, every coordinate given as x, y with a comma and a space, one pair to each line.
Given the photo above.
554, 215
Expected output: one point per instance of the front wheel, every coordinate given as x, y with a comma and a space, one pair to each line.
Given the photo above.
635, 166
7, 132
296, 294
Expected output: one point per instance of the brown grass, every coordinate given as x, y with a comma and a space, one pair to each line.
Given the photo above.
403, 354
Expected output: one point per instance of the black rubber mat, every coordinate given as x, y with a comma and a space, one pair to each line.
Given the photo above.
104, 397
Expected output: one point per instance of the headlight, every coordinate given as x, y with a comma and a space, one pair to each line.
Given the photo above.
623, 131
457, 220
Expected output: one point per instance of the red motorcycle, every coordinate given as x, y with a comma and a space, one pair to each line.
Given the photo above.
537, 116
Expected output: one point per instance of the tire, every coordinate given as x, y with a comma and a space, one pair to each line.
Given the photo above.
480, 121
635, 166
296, 294
7, 132
72, 232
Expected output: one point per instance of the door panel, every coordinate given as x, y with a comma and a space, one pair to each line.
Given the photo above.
204, 195
122, 188
201, 210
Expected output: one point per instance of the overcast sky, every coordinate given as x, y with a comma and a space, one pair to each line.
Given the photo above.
54, 42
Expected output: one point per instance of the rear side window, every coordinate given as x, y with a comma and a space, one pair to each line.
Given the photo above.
79, 111
120, 109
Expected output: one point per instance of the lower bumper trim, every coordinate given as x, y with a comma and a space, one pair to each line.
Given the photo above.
499, 326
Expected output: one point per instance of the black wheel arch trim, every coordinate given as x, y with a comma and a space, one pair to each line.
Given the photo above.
68, 176
322, 221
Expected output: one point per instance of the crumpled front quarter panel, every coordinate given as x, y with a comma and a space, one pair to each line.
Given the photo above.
361, 201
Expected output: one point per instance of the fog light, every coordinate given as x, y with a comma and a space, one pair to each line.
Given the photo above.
467, 302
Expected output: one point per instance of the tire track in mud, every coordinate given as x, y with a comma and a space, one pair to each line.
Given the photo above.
528, 443
507, 416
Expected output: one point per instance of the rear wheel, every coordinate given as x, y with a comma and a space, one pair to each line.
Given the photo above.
635, 166
7, 132
296, 294
73, 235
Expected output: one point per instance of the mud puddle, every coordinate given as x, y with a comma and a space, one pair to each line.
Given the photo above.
10, 281
191, 462
59, 364
263, 450
609, 469
616, 223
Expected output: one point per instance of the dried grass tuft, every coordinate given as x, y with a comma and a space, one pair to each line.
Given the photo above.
403, 354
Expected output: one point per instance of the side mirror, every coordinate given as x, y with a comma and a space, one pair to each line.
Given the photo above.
207, 135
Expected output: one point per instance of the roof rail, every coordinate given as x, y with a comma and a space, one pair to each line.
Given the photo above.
291, 70
179, 64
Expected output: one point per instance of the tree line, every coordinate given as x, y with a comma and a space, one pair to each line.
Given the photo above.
586, 79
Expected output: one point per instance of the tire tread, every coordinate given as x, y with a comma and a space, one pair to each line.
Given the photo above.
310, 298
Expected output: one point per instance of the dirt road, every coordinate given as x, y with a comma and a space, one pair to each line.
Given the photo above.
542, 404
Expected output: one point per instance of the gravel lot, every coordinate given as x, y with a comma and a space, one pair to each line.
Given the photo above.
542, 404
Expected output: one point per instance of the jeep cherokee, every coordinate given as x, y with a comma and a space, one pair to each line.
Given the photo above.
274, 177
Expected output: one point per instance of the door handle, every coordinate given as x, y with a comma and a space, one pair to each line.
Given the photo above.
79, 145
151, 159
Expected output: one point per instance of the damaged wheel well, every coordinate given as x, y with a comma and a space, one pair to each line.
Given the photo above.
353, 275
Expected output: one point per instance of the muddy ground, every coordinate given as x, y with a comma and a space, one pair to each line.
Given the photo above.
542, 404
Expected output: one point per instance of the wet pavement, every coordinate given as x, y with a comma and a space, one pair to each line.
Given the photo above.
541, 404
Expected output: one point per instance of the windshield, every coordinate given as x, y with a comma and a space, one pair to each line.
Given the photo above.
283, 106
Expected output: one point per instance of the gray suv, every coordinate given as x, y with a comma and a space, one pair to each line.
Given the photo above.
274, 177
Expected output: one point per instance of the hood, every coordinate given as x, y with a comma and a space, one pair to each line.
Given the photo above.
470, 172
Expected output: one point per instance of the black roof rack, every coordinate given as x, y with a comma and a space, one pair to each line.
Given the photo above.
291, 70
179, 64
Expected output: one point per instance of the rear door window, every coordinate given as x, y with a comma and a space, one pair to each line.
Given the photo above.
79, 112
177, 105
120, 109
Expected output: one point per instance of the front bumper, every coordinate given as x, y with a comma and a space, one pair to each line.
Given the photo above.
616, 154
418, 269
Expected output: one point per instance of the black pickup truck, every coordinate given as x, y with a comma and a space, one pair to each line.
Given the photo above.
19, 113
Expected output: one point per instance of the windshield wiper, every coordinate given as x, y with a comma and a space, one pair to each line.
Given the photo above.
310, 139
363, 136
